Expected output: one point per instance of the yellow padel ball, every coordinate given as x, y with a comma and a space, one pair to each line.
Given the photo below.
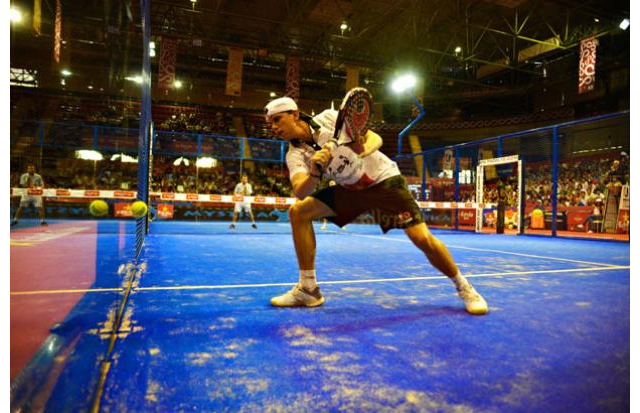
139, 209
99, 208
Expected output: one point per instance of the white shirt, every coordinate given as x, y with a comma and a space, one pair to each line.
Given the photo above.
377, 166
30, 181
243, 189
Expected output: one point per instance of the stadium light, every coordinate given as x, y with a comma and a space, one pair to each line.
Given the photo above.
137, 79
458, 49
181, 160
177, 84
404, 82
124, 158
206, 162
15, 15
624, 24
66, 72
89, 155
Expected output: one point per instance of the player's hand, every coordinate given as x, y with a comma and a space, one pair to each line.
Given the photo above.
322, 158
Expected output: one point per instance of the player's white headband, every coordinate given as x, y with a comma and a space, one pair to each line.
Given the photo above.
279, 105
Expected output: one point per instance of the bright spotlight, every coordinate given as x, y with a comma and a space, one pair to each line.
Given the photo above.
458, 49
403, 83
206, 162
15, 15
624, 24
177, 84
65, 72
137, 79
181, 160
89, 155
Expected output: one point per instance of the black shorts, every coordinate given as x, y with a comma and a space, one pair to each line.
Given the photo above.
390, 202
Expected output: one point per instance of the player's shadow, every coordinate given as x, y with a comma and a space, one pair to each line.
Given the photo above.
350, 319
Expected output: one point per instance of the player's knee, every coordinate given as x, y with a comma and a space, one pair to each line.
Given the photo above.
297, 212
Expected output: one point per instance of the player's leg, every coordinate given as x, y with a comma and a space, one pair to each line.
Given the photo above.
236, 211
439, 256
17, 215
38, 204
306, 292
253, 221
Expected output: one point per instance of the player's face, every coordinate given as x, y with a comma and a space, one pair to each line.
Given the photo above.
31, 169
283, 124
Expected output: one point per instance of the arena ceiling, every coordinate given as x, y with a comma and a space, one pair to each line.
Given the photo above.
466, 49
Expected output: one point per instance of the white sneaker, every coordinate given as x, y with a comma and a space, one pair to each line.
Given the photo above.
299, 297
323, 227
473, 302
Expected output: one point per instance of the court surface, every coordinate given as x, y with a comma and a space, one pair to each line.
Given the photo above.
190, 327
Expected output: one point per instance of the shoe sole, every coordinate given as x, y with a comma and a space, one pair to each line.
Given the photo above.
316, 304
482, 311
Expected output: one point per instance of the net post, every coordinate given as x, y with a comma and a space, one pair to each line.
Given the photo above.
554, 184
521, 198
479, 196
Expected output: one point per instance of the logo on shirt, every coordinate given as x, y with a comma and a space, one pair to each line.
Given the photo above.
404, 218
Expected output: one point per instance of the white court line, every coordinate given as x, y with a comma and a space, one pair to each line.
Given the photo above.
376, 280
372, 280
488, 250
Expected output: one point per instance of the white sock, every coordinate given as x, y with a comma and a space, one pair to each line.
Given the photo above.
308, 279
459, 281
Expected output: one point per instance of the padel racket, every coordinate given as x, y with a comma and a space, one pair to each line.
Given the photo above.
353, 119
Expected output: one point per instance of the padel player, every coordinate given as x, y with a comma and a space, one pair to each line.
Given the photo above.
243, 188
378, 188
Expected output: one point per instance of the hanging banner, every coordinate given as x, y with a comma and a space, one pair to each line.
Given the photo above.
37, 17
167, 64
292, 88
353, 77
234, 72
587, 75
447, 161
57, 32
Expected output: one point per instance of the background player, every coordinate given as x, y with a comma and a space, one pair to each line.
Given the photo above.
243, 188
30, 180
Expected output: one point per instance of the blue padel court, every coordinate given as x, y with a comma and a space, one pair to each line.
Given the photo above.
189, 328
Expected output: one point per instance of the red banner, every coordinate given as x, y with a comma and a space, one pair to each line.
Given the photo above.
124, 194
167, 64
292, 88
576, 216
587, 75
165, 211
467, 217
122, 210
234, 72
57, 32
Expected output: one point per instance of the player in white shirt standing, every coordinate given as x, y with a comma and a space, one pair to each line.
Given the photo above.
30, 180
368, 181
243, 188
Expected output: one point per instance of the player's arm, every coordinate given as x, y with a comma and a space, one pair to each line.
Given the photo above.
304, 183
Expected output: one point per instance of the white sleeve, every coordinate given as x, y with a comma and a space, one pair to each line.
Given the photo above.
296, 163
249, 189
237, 189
